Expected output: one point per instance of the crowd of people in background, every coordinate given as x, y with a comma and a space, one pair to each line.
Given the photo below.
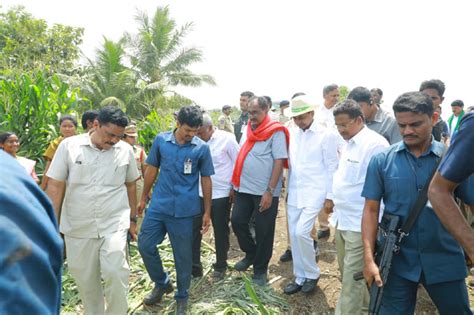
345, 164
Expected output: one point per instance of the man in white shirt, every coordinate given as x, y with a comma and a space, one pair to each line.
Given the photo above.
362, 144
325, 117
224, 149
312, 162
92, 180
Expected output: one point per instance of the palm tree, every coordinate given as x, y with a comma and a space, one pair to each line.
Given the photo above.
159, 56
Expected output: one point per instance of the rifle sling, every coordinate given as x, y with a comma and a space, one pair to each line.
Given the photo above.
419, 203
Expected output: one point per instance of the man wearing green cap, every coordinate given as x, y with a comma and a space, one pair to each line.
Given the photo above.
313, 160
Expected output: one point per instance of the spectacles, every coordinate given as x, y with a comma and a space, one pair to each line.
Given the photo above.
346, 126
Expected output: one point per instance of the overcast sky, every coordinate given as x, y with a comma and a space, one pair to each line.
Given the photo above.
278, 48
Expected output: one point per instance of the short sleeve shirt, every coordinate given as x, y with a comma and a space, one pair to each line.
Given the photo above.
96, 200
53, 146
458, 164
176, 191
258, 165
397, 176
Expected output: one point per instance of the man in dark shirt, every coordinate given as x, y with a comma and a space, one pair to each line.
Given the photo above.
456, 167
428, 253
435, 89
241, 123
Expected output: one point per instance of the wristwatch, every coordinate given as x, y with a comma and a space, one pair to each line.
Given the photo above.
134, 219
270, 190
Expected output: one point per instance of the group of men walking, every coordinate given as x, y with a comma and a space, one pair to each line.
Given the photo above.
348, 160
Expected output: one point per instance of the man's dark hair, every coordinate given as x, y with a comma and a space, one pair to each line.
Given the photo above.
89, 115
329, 88
191, 116
248, 94
361, 94
379, 91
112, 115
269, 100
435, 84
297, 94
261, 101
5, 135
68, 117
457, 103
349, 107
415, 102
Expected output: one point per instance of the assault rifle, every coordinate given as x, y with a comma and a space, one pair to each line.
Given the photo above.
387, 244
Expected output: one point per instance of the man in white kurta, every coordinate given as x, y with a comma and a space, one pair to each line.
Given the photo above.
313, 160
362, 144
96, 173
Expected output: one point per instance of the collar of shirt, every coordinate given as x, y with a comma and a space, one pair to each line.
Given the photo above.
359, 137
436, 148
171, 138
313, 127
379, 115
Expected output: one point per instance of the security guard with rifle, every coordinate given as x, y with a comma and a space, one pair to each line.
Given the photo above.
423, 251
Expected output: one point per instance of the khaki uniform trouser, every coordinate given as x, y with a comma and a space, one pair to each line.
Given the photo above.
354, 296
89, 260
139, 185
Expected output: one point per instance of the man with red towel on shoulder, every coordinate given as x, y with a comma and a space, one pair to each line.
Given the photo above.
257, 181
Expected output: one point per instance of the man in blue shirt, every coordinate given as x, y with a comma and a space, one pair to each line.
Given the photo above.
429, 254
181, 157
457, 167
31, 249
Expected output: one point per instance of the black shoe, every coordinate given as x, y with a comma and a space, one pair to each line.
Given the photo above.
243, 265
292, 288
323, 234
157, 294
196, 272
181, 307
260, 280
218, 275
309, 285
286, 256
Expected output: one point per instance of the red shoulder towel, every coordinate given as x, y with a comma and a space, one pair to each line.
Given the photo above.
263, 132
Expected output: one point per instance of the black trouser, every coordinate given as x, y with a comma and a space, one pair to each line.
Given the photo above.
220, 216
259, 251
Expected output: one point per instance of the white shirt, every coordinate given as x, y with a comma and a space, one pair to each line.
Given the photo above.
452, 126
224, 150
350, 177
96, 200
313, 159
325, 116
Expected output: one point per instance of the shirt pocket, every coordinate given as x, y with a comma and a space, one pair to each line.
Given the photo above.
116, 174
80, 174
351, 174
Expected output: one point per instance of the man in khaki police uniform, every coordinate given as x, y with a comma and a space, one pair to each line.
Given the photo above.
225, 122
130, 136
96, 173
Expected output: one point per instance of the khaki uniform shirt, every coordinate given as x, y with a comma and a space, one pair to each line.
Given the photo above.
225, 123
96, 201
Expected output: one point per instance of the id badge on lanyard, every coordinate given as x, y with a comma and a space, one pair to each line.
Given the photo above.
188, 166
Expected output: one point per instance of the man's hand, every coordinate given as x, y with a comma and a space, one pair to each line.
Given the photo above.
231, 196
206, 222
372, 273
133, 230
141, 207
266, 201
328, 206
